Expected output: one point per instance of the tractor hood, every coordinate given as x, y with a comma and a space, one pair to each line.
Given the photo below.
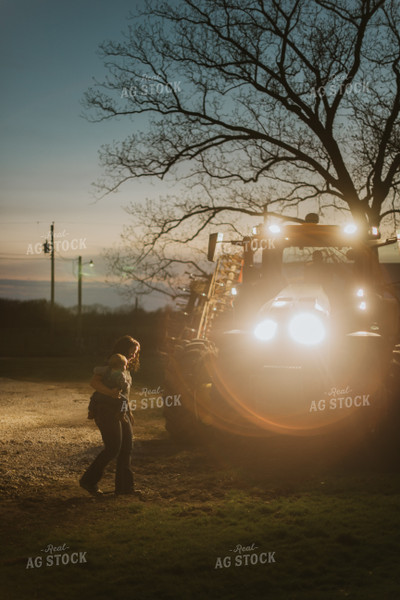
299, 313
297, 298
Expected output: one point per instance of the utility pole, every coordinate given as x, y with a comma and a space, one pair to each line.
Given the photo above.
79, 324
79, 301
52, 271
48, 248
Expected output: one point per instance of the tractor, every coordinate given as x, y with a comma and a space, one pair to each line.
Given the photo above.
296, 332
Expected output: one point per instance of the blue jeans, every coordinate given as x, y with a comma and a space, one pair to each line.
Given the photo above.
117, 438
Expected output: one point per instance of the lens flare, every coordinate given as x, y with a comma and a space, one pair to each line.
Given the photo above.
350, 228
307, 329
266, 330
274, 228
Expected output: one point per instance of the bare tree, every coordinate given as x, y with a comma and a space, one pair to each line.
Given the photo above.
297, 97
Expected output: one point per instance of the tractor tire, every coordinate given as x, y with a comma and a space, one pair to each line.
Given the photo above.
182, 422
394, 374
392, 425
181, 425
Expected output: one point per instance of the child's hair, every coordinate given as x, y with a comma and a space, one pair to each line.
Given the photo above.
117, 361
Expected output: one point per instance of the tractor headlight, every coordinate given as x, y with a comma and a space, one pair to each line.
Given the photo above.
350, 228
274, 228
307, 328
266, 330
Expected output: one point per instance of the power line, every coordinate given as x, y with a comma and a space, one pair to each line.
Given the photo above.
60, 222
23, 257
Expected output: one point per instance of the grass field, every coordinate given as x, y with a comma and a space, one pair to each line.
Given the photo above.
337, 540
223, 526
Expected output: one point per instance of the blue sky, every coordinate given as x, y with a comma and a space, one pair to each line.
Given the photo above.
49, 153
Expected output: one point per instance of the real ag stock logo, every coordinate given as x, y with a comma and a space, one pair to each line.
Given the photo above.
55, 556
62, 243
151, 398
339, 399
244, 556
151, 85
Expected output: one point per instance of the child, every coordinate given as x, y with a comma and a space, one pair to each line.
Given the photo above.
115, 375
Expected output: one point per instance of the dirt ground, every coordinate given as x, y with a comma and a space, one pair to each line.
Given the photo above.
47, 442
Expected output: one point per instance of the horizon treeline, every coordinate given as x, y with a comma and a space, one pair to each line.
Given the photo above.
30, 329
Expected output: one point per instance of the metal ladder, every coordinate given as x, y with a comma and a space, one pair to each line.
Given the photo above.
219, 298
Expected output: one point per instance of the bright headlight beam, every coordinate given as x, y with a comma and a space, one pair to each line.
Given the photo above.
266, 330
350, 228
274, 228
307, 329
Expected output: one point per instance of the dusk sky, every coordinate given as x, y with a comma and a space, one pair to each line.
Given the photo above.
49, 153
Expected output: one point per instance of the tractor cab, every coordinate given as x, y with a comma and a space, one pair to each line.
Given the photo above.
291, 261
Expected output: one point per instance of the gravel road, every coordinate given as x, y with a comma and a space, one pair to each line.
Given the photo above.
46, 442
